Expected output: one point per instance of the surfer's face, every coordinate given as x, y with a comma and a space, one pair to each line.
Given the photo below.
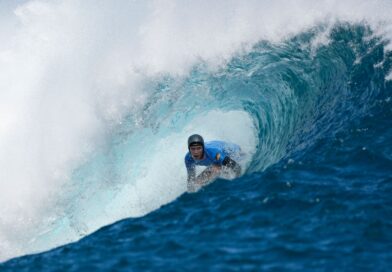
196, 152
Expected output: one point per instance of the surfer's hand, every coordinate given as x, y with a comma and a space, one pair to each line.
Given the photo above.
215, 169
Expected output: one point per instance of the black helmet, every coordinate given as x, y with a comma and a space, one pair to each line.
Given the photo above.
195, 139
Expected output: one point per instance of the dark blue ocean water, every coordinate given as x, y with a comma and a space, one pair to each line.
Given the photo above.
317, 195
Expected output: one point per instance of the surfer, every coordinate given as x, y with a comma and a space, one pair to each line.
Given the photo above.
216, 155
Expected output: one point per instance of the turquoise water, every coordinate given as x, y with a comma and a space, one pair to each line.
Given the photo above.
316, 123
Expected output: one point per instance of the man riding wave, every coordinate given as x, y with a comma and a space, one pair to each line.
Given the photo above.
218, 156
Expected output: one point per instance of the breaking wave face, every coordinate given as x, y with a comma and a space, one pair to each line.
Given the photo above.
97, 99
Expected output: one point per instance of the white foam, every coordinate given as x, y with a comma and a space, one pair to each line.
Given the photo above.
144, 183
70, 71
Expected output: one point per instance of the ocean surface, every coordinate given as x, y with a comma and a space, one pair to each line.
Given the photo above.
93, 140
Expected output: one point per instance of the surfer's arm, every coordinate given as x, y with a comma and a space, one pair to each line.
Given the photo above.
208, 175
191, 173
191, 177
229, 163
